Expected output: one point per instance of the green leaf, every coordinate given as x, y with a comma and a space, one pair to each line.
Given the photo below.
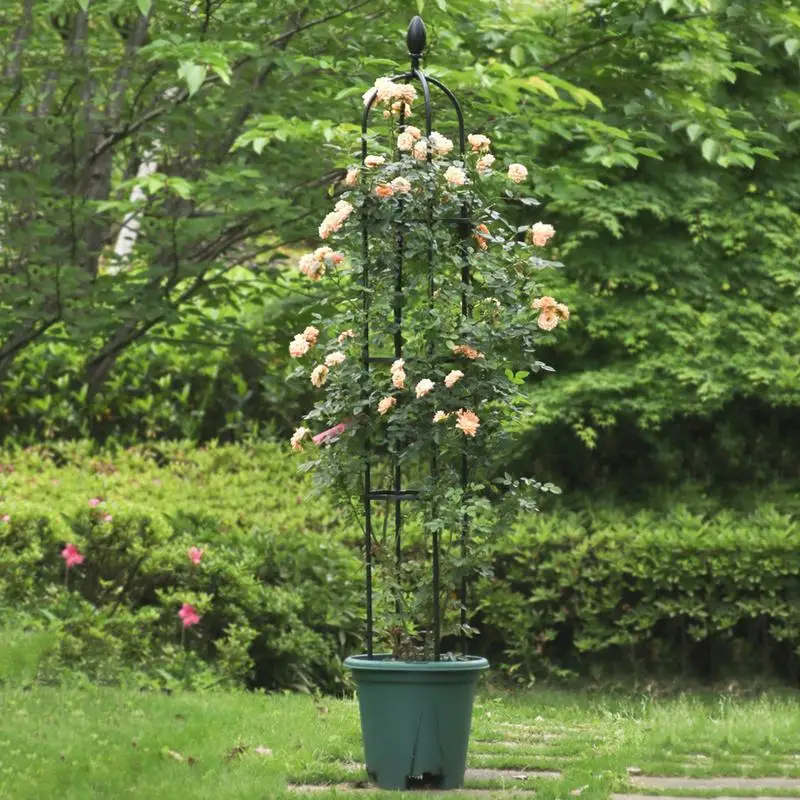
710, 150
541, 85
420, 6
144, 6
666, 5
693, 131
517, 55
193, 74
791, 46
442, 4
84, 4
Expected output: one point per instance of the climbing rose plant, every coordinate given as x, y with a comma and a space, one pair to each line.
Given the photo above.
468, 346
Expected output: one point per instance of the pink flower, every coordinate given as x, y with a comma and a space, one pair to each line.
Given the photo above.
72, 556
311, 334
351, 178
348, 334
94, 502
195, 554
188, 615
541, 233
5, 518
108, 518
329, 435
333, 221
517, 173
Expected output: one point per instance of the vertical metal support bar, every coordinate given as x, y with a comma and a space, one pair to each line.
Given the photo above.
465, 312
435, 545
398, 353
464, 232
366, 373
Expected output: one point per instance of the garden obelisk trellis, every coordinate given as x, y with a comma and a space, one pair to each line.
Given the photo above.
416, 40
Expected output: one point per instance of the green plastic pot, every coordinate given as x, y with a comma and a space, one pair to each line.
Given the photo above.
415, 719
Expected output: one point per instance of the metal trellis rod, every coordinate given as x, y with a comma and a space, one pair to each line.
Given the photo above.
416, 40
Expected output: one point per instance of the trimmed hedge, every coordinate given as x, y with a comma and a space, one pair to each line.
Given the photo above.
701, 595
698, 592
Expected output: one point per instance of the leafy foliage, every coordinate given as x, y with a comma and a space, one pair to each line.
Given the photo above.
276, 590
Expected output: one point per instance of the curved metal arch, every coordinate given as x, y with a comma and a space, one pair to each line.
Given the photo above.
424, 81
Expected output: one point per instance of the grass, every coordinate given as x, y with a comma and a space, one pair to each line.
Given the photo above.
111, 743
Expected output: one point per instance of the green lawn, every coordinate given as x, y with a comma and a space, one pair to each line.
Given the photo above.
108, 743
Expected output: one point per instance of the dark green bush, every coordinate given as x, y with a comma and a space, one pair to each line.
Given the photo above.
701, 595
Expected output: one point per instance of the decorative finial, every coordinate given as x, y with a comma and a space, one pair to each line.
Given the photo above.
416, 37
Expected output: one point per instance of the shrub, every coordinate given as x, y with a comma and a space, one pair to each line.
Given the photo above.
276, 590
704, 595
694, 590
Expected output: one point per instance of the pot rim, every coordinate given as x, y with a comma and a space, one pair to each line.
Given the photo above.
384, 662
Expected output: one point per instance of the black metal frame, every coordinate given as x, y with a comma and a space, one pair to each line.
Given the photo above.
416, 40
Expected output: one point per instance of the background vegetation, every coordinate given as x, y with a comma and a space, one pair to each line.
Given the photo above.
662, 138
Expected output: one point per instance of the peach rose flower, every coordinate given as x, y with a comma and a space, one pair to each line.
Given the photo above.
453, 377
400, 185
374, 161
298, 437
299, 346
467, 351
335, 359
517, 173
455, 176
468, 422
425, 386
440, 416
319, 375
311, 334
384, 190
478, 142
386, 404
405, 142
484, 163
541, 233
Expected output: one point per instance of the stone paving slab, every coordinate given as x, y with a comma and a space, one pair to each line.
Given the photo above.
354, 790
660, 782
684, 797
481, 773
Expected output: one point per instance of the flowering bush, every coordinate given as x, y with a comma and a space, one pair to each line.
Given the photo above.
447, 294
